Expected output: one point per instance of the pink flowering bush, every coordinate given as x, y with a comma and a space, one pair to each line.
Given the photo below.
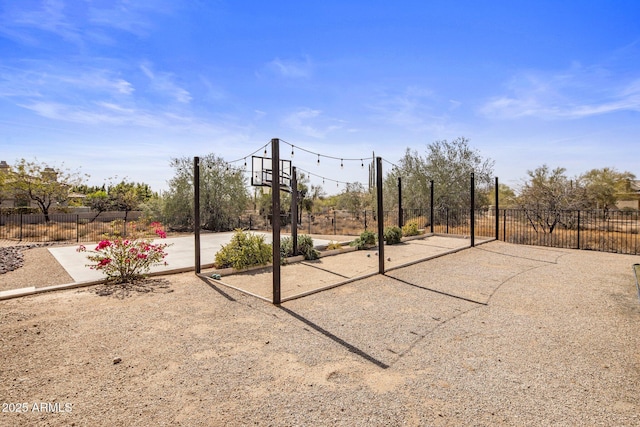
126, 260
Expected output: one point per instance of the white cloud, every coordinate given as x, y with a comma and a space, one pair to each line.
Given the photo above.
291, 68
163, 83
571, 94
412, 108
311, 123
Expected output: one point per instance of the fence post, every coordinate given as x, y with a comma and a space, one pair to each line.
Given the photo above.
447, 211
431, 212
294, 210
380, 216
400, 222
309, 217
578, 229
334, 223
196, 212
365, 220
473, 210
21, 223
497, 211
77, 228
504, 225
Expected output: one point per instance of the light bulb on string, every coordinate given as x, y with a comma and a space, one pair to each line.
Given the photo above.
362, 163
265, 151
318, 159
341, 164
292, 151
245, 162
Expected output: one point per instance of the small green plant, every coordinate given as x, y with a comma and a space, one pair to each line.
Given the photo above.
305, 247
410, 229
286, 248
392, 235
366, 239
333, 246
244, 250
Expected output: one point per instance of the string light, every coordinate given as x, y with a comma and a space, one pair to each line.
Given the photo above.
341, 164
362, 163
318, 159
292, 151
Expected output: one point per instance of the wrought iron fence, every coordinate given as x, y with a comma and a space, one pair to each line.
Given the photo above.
607, 231
64, 227
598, 230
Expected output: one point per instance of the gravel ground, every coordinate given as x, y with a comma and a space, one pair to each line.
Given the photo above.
495, 335
30, 265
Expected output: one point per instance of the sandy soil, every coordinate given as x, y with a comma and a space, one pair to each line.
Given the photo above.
495, 335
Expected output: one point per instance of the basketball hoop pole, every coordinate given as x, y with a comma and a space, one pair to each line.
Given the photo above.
275, 217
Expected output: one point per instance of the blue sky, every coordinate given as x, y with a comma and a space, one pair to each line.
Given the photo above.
117, 88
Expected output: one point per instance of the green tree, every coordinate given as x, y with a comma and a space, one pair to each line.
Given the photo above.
506, 196
449, 165
603, 186
126, 196
547, 194
5, 190
223, 194
352, 198
45, 185
98, 201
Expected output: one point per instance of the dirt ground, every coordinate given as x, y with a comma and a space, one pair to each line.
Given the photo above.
499, 334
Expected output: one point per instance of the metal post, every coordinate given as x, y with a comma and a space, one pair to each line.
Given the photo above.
473, 210
380, 219
431, 203
77, 228
447, 210
578, 229
504, 225
400, 218
497, 213
365, 220
275, 222
196, 211
294, 210
334, 223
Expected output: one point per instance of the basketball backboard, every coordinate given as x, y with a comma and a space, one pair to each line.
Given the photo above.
262, 173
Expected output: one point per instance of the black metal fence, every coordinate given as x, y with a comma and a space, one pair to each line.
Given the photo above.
598, 230
65, 227
606, 231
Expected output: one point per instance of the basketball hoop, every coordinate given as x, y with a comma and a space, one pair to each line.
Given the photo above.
262, 173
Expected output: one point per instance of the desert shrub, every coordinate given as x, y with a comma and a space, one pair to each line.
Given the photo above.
286, 248
366, 239
305, 247
334, 245
127, 260
410, 229
392, 235
244, 250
